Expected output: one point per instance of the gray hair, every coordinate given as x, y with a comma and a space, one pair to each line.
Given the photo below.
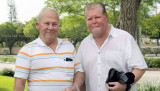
46, 9
95, 5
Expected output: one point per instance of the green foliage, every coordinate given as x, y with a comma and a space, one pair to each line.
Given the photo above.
153, 62
8, 34
30, 30
152, 86
151, 26
7, 72
7, 83
73, 27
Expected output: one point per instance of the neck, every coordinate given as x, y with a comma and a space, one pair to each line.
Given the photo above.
101, 38
52, 44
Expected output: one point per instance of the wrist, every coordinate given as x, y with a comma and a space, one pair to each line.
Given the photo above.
128, 87
77, 89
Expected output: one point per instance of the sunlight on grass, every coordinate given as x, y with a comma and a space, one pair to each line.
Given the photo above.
7, 83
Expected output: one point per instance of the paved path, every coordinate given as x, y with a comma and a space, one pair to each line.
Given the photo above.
7, 65
149, 76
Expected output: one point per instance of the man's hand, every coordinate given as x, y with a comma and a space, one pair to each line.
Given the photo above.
71, 88
116, 86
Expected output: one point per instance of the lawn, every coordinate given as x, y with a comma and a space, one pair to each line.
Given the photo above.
7, 83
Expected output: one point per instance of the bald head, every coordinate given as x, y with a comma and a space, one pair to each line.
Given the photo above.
47, 10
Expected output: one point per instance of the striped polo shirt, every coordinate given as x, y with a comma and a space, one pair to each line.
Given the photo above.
45, 69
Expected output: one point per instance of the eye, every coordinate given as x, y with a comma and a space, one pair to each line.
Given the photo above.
89, 19
98, 17
46, 23
54, 24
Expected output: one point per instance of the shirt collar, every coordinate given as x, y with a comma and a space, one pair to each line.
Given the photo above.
113, 31
41, 43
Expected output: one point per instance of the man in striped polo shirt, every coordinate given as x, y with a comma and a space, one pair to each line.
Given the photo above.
47, 63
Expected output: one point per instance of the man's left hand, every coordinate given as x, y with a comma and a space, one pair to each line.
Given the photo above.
71, 88
116, 86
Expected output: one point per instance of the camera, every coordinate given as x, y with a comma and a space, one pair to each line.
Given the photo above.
121, 77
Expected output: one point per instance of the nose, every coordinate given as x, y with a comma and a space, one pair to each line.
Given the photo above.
50, 27
94, 20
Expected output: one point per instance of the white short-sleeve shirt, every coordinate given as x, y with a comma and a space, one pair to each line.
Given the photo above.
44, 69
119, 51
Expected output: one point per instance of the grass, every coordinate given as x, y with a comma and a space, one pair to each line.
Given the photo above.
7, 83
152, 86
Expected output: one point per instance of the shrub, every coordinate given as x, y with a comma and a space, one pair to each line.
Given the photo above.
153, 62
150, 50
152, 86
8, 58
7, 72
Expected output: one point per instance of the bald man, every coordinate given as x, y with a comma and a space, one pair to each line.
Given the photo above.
47, 63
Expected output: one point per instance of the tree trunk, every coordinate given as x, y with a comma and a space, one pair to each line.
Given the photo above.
157, 41
128, 16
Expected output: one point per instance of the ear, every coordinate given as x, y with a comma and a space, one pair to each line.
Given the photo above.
106, 16
37, 25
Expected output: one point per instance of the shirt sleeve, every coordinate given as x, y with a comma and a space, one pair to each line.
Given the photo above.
77, 64
136, 59
23, 60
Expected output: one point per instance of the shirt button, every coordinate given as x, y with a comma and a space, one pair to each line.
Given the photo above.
99, 85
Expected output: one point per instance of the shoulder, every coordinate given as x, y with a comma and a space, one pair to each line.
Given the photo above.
124, 34
86, 40
29, 45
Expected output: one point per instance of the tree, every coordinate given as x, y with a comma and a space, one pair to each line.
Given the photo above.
30, 30
12, 11
128, 16
20, 35
8, 34
73, 27
151, 27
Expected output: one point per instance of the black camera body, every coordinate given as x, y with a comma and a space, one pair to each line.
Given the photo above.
121, 77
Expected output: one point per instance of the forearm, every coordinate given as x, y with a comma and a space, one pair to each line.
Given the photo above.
138, 74
19, 84
79, 79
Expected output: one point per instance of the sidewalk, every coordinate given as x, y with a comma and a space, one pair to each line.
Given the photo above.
150, 76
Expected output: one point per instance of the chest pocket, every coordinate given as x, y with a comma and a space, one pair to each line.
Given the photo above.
114, 59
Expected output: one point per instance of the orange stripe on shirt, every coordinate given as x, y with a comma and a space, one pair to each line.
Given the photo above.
25, 54
48, 53
30, 44
64, 40
22, 67
53, 68
54, 53
77, 64
45, 68
49, 81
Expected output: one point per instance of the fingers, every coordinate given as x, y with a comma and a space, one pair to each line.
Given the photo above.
116, 86
71, 88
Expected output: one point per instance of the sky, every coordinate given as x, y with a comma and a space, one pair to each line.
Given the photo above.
26, 9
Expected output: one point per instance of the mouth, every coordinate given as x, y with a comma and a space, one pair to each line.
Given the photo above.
50, 31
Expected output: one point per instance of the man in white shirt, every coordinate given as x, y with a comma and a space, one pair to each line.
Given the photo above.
105, 48
47, 63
